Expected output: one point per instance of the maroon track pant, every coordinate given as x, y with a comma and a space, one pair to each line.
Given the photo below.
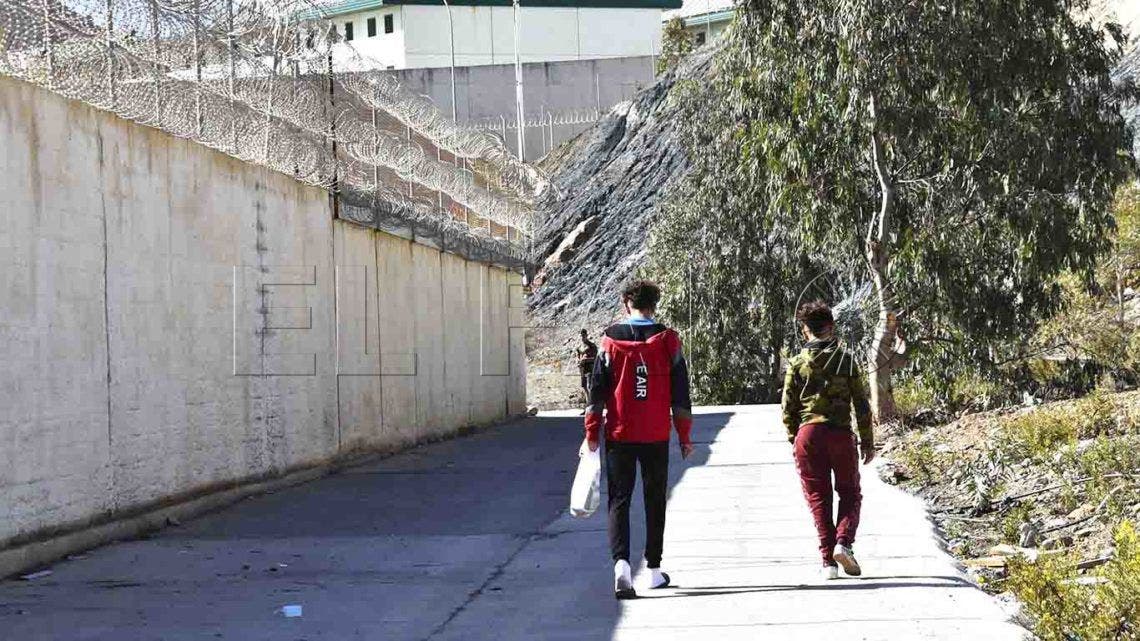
821, 450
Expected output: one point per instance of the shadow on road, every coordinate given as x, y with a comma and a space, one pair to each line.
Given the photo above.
839, 584
448, 540
510, 479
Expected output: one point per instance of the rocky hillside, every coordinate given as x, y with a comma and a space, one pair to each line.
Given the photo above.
607, 183
606, 186
1130, 69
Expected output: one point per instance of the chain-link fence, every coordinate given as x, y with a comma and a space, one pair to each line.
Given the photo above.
269, 82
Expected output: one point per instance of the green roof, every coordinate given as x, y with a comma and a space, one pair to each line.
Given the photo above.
352, 6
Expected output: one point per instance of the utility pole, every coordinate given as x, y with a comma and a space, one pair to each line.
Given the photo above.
451, 30
708, 21
519, 85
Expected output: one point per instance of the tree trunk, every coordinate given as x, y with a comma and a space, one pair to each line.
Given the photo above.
882, 361
882, 364
882, 358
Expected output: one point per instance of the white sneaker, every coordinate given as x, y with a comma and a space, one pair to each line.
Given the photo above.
845, 556
829, 573
623, 581
658, 579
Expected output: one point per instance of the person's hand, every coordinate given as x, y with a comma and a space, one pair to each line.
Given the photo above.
686, 450
867, 452
590, 445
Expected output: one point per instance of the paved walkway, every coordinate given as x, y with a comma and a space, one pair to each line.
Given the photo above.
466, 540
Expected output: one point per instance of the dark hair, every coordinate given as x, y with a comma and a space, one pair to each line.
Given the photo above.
816, 315
641, 294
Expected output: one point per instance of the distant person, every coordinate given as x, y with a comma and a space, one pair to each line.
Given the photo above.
638, 378
587, 353
822, 387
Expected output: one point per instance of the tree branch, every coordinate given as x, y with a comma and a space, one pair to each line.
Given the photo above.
886, 184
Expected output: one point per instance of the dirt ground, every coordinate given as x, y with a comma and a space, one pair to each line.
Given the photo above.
990, 505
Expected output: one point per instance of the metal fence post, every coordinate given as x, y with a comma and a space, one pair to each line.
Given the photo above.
542, 126
110, 44
466, 186
330, 34
270, 84
411, 190
232, 73
597, 93
197, 70
49, 46
375, 155
156, 65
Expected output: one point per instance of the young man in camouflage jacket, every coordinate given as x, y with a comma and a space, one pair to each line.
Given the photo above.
824, 384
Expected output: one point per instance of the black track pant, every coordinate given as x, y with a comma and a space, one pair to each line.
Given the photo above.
621, 473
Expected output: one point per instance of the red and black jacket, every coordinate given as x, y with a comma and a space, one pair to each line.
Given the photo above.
639, 378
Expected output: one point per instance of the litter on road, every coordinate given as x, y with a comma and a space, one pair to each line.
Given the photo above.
36, 575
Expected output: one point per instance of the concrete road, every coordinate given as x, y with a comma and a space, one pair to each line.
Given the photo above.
467, 540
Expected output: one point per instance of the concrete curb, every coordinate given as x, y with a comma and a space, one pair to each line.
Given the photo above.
36, 554
39, 553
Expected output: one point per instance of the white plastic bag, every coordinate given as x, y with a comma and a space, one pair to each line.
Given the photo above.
586, 493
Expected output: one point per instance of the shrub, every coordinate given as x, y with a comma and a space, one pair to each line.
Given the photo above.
1044, 372
913, 396
1106, 456
1064, 609
1067, 498
1042, 433
1119, 596
1011, 522
1094, 415
1054, 602
971, 390
921, 460
1038, 434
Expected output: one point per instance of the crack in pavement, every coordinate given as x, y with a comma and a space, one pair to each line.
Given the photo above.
542, 534
496, 572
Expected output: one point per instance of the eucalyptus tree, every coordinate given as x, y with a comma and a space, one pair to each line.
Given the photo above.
962, 153
676, 43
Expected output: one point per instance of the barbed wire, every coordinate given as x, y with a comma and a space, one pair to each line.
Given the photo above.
266, 82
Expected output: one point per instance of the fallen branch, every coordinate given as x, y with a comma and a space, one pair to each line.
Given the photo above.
1080, 481
951, 517
1092, 563
1095, 513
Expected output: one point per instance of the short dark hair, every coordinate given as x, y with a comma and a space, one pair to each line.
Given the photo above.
816, 315
641, 294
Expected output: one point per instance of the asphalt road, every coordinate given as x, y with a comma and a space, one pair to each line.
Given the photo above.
469, 540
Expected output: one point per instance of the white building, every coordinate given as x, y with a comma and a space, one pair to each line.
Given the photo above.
404, 34
705, 19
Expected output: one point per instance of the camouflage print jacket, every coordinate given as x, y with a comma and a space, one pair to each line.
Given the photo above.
823, 385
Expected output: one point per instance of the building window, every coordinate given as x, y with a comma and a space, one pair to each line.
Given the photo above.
700, 38
372, 27
389, 23
348, 31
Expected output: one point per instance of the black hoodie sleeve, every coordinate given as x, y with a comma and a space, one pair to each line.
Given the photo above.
599, 390
597, 393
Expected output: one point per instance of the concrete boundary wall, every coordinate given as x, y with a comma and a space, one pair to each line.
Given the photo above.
174, 323
485, 95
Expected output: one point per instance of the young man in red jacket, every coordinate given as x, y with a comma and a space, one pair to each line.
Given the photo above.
639, 378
